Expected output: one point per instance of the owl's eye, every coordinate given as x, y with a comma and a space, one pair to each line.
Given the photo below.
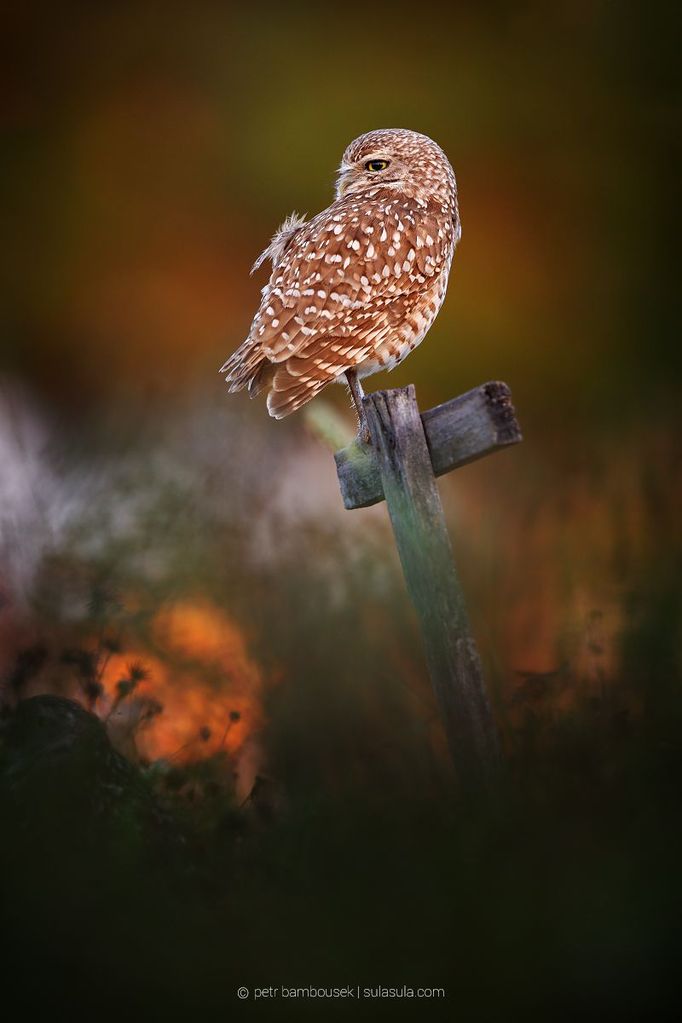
377, 165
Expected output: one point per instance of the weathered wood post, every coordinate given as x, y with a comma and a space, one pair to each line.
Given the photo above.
407, 452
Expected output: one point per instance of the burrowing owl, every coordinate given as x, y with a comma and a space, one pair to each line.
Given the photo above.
356, 288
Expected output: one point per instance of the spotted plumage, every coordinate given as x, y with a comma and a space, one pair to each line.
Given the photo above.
355, 289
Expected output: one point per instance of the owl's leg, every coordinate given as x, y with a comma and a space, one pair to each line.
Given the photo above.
357, 394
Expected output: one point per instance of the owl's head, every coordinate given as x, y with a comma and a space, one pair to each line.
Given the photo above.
398, 159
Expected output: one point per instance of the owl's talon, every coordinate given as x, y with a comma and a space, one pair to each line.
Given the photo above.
357, 394
363, 434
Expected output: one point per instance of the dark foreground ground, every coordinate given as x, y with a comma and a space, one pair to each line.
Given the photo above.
561, 900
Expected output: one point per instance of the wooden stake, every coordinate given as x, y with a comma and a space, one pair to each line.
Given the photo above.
402, 472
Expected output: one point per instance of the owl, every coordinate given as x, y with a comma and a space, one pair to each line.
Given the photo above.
355, 289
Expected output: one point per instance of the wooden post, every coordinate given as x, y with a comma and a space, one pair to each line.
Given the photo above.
400, 466
457, 432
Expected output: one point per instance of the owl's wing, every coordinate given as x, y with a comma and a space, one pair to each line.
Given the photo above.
347, 278
352, 263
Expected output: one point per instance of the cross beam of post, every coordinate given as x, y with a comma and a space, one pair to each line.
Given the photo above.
407, 452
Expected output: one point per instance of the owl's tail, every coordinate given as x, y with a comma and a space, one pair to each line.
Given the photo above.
291, 383
289, 393
301, 378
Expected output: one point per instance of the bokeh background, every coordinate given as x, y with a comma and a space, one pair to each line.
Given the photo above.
181, 564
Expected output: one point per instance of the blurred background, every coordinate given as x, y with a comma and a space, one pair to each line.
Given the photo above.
181, 564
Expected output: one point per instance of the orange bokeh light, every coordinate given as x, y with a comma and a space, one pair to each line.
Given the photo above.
203, 677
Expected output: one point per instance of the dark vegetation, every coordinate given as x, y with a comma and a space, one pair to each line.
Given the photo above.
152, 888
